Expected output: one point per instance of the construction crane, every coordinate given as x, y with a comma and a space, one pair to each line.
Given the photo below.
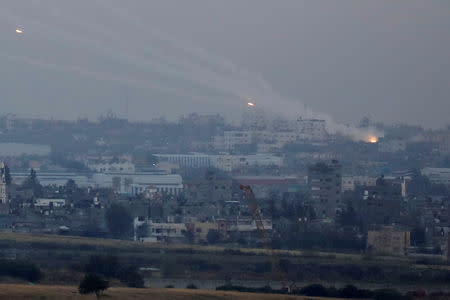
263, 232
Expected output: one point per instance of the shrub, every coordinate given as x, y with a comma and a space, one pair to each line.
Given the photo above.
20, 269
92, 283
316, 290
191, 286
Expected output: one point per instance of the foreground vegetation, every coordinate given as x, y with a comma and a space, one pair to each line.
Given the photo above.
63, 259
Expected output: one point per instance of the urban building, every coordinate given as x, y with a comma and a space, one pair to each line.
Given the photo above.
348, 183
43, 202
311, 129
325, 184
263, 185
230, 139
391, 146
3, 192
166, 232
232, 162
132, 183
388, 241
195, 160
121, 167
437, 175
380, 204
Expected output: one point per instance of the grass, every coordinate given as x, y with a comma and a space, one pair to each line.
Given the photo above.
41, 292
67, 241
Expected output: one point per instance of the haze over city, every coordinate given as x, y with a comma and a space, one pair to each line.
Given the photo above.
247, 149
148, 59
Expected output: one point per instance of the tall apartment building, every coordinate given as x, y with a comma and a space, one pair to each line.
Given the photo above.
325, 184
3, 194
311, 129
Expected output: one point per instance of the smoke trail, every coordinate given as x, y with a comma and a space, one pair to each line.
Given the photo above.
240, 81
157, 52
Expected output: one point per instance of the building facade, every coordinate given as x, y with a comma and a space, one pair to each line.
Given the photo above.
325, 182
388, 241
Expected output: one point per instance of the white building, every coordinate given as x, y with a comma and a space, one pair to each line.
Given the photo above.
166, 231
45, 202
231, 162
194, 160
129, 183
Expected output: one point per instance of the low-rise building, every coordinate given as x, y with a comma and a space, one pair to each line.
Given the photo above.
135, 183
193, 160
164, 232
388, 241
120, 167
437, 175
44, 202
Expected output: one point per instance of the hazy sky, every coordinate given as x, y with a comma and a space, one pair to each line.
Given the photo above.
388, 60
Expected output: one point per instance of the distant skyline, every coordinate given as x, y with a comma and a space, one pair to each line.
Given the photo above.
385, 60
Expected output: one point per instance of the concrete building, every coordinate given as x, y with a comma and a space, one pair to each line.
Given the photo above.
129, 183
263, 185
166, 232
380, 204
212, 189
230, 139
54, 178
194, 160
44, 202
437, 175
232, 162
120, 167
325, 181
388, 241
311, 129
3, 192
348, 183
364, 181
391, 146
10, 121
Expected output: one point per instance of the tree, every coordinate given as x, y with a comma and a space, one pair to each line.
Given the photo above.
33, 183
119, 221
92, 283
213, 236
71, 187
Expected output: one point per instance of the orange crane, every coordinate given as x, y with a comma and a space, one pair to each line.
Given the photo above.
263, 232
